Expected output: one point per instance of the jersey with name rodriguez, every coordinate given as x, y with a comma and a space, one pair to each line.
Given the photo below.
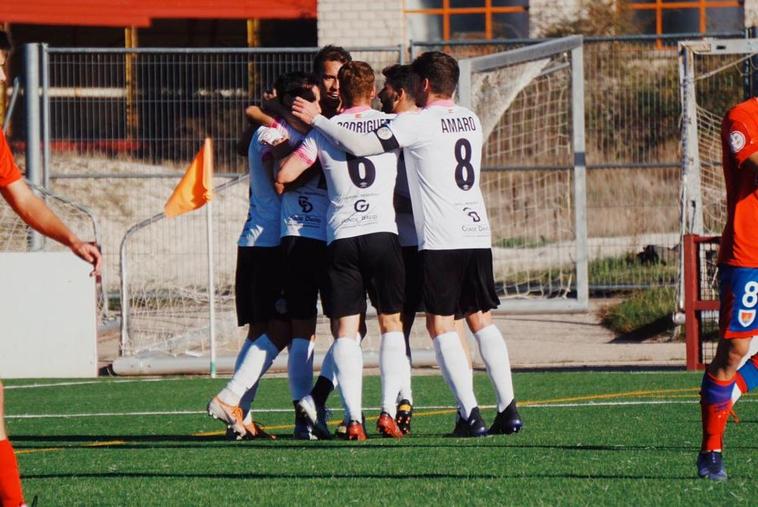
262, 227
360, 188
442, 145
304, 208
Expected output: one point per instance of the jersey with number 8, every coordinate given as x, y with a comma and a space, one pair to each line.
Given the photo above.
443, 151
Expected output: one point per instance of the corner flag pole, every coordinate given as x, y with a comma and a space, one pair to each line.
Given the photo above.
211, 286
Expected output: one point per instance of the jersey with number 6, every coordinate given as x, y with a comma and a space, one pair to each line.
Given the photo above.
442, 145
360, 188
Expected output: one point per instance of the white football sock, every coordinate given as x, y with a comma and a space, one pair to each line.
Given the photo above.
455, 369
247, 399
260, 355
494, 352
393, 367
348, 360
300, 367
328, 370
406, 393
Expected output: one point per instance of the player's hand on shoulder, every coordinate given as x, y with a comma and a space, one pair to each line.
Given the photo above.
305, 111
89, 252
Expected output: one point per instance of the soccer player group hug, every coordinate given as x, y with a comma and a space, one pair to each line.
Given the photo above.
347, 202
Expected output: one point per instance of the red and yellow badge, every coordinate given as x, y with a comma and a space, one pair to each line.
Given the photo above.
746, 317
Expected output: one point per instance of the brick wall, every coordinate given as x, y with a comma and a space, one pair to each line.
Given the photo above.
360, 22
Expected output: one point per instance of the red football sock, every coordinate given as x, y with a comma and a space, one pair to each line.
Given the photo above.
715, 415
10, 482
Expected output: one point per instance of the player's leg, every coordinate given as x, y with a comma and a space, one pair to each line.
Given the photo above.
479, 297
443, 280
737, 325
266, 310
301, 261
382, 262
10, 482
746, 378
347, 293
411, 306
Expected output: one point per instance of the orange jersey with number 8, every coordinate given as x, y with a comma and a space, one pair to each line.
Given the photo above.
739, 140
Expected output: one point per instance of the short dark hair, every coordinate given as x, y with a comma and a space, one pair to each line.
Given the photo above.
5, 41
356, 81
402, 77
330, 53
440, 69
296, 84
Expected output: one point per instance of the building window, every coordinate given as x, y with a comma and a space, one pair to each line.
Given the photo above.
688, 16
466, 19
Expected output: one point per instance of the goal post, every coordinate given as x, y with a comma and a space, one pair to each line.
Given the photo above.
714, 75
531, 104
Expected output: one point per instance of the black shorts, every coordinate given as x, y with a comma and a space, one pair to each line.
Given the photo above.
372, 263
413, 280
304, 276
258, 289
458, 282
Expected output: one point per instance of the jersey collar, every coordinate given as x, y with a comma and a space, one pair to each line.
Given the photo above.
356, 109
441, 103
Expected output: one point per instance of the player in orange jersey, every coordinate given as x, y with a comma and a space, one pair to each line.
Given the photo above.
37, 215
738, 285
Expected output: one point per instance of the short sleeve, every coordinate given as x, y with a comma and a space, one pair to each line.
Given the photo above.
740, 135
406, 129
308, 149
9, 172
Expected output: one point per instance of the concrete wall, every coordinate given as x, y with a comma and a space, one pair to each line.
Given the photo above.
751, 13
360, 23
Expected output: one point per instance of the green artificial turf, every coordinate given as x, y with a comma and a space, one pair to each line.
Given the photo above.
607, 438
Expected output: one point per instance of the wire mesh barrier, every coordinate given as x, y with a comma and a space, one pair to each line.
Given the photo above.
165, 294
123, 124
16, 236
525, 99
633, 151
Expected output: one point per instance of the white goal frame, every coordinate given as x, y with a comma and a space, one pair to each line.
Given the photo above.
573, 45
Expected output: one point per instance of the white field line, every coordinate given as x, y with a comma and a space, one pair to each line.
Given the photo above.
86, 382
417, 408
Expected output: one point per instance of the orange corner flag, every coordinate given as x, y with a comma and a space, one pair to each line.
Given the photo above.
196, 186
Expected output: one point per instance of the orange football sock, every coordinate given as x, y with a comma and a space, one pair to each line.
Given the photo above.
10, 482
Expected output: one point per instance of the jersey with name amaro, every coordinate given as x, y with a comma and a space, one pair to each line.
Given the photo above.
442, 145
739, 136
360, 188
304, 207
262, 227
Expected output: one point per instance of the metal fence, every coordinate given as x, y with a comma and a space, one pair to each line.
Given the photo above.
632, 118
120, 125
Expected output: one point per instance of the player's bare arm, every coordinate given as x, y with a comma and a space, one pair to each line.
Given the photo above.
360, 145
39, 217
290, 169
277, 109
259, 117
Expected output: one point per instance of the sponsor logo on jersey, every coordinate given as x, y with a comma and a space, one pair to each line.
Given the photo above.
736, 141
305, 204
384, 133
473, 215
746, 317
361, 205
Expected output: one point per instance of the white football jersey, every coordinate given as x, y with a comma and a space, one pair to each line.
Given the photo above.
360, 188
442, 145
304, 208
406, 229
262, 225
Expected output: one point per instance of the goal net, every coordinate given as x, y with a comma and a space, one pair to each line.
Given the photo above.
531, 104
714, 75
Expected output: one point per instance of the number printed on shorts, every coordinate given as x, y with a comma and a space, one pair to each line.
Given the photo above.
750, 296
464, 171
361, 170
